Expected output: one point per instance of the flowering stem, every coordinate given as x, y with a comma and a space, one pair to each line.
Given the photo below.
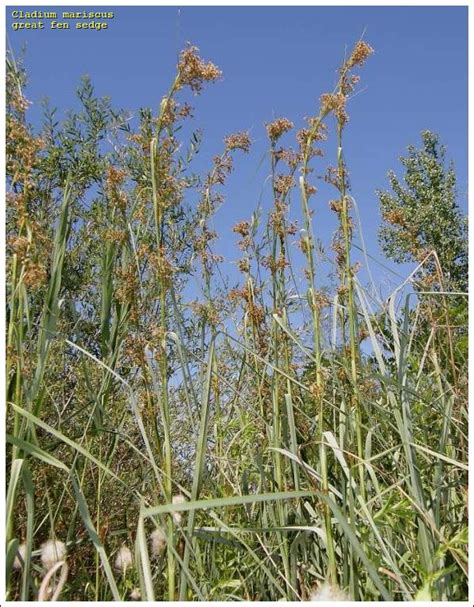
346, 230
316, 318
158, 212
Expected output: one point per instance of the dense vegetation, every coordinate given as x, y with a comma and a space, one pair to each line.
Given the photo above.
274, 440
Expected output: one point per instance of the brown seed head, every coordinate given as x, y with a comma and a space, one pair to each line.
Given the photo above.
276, 128
238, 141
242, 228
283, 183
360, 54
244, 265
335, 103
193, 71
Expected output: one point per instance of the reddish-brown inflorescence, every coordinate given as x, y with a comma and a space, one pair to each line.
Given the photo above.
278, 127
193, 71
238, 141
360, 54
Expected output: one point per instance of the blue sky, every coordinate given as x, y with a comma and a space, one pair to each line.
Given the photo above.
276, 62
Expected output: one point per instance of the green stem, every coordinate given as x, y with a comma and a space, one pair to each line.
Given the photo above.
168, 463
346, 230
315, 308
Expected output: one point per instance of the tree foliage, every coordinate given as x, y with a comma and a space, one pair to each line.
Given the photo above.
422, 214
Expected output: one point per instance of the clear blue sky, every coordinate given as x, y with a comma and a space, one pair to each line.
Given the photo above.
276, 62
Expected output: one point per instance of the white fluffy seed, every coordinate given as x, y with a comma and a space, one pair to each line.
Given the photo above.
52, 552
177, 516
124, 559
158, 542
327, 592
20, 557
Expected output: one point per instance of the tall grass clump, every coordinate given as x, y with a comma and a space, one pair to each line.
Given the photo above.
174, 438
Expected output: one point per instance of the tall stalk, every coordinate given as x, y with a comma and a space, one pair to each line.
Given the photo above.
278, 438
314, 301
351, 310
164, 408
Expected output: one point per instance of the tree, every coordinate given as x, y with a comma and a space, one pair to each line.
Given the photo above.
423, 215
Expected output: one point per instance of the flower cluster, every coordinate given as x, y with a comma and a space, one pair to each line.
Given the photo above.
171, 111
278, 127
283, 184
316, 131
242, 228
21, 150
127, 289
114, 179
255, 311
289, 156
275, 264
238, 141
338, 177
335, 103
222, 168
360, 54
277, 218
193, 71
